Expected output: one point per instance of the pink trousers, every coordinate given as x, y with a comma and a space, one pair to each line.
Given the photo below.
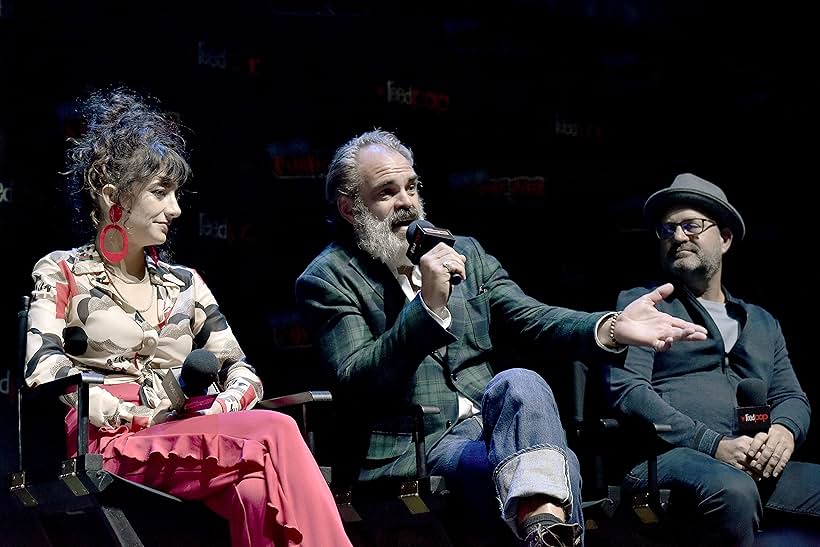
250, 467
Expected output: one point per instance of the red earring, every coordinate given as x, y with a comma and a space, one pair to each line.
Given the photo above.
113, 241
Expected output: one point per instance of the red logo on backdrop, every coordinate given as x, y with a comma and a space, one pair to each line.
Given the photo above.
296, 159
301, 166
414, 96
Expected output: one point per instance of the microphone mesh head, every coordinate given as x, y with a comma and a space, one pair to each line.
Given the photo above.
751, 392
198, 372
202, 361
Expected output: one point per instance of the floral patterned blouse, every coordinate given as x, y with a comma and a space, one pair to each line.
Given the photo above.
78, 322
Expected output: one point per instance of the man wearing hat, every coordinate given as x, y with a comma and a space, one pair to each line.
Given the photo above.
724, 478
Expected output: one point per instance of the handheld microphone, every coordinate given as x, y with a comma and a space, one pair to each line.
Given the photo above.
752, 410
423, 236
188, 394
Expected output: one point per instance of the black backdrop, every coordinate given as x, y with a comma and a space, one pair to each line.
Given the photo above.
539, 127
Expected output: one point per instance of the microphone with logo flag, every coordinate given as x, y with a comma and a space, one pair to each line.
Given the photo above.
189, 393
423, 236
752, 410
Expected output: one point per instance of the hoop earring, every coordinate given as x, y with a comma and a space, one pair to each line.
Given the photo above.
113, 242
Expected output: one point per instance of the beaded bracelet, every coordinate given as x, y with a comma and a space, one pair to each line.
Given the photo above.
615, 317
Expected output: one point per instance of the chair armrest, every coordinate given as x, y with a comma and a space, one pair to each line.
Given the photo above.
293, 399
60, 386
611, 424
302, 400
299, 401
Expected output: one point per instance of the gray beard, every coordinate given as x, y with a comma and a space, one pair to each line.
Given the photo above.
376, 237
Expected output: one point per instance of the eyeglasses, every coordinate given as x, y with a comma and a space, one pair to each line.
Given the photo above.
690, 227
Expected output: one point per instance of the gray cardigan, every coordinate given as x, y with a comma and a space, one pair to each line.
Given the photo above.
692, 386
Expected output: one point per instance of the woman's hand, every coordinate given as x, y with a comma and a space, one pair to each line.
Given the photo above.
162, 413
215, 408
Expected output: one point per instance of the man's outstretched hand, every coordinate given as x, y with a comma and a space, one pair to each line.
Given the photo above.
641, 324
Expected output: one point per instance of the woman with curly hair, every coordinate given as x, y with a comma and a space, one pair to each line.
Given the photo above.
115, 307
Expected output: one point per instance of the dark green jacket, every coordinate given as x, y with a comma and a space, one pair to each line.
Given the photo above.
381, 346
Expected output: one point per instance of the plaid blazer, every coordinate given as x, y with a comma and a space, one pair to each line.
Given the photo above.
384, 349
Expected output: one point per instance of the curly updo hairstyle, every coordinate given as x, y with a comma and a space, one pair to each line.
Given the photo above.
127, 142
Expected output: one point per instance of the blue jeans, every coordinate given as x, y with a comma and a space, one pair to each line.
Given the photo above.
728, 504
516, 448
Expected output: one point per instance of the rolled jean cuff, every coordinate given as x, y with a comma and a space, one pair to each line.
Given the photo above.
537, 470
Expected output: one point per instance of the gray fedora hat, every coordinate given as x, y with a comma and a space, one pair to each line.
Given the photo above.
688, 189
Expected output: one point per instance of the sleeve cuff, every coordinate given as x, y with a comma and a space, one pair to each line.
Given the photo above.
443, 321
706, 440
595, 334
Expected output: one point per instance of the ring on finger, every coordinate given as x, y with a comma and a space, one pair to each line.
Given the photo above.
445, 265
